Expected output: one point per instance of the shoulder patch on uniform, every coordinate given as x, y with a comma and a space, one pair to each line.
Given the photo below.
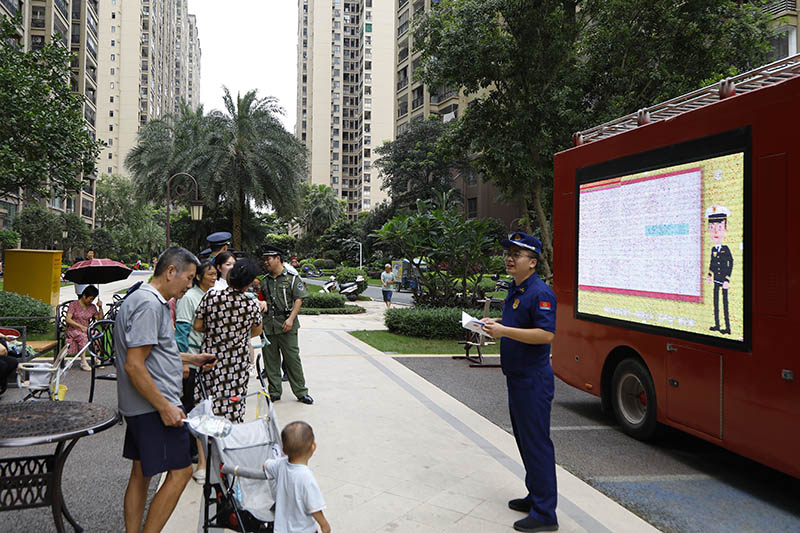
545, 306
300, 285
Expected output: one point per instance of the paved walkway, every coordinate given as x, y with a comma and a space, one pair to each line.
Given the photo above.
396, 454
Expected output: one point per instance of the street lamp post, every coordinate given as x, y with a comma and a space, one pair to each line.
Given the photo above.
196, 204
359, 255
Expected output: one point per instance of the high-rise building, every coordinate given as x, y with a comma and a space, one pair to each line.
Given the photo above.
345, 89
787, 23
73, 25
144, 63
193, 83
415, 100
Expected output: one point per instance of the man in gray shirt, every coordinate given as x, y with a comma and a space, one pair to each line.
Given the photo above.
149, 386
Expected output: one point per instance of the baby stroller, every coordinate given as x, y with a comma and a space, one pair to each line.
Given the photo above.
236, 487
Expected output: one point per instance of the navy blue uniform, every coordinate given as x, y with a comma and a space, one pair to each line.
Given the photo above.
720, 269
530, 391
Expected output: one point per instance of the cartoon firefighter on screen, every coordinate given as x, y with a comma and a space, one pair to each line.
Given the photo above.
721, 265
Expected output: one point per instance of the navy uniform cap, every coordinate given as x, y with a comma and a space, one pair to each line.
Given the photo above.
268, 249
219, 238
205, 252
523, 240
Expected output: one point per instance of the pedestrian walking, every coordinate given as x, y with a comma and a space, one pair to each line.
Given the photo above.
149, 382
80, 313
388, 282
528, 327
284, 293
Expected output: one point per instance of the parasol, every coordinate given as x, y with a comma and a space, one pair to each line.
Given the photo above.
97, 271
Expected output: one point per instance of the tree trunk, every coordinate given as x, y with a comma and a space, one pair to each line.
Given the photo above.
546, 257
238, 209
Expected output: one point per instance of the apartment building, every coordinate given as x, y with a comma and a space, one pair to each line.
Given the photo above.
345, 88
72, 24
145, 70
415, 99
787, 25
193, 68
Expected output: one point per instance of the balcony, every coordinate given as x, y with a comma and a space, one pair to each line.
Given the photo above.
402, 84
416, 103
35, 22
91, 46
89, 114
92, 24
776, 7
402, 28
61, 5
13, 6
446, 94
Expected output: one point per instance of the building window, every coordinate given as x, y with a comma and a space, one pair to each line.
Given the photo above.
113, 42
368, 27
111, 85
110, 155
472, 207
110, 127
87, 208
110, 113
109, 171
113, 57
111, 99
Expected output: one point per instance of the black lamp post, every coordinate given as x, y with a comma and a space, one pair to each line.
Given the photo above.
196, 204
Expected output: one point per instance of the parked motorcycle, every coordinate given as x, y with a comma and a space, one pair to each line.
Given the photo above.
500, 284
349, 289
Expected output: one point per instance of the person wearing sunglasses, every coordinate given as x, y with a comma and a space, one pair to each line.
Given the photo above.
526, 330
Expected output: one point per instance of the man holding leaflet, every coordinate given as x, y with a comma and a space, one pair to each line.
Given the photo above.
526, 331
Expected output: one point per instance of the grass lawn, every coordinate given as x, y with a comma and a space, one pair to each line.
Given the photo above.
400, 344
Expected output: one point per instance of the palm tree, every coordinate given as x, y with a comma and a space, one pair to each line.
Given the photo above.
252, 159
175, 143
241, 157
321, 208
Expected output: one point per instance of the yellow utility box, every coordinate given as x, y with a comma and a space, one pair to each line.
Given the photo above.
36, 273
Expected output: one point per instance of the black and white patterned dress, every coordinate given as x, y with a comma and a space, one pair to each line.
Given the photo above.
228, 316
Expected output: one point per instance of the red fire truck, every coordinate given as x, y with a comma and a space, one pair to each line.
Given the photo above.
677, 265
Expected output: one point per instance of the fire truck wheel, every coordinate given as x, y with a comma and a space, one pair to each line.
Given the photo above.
633, 397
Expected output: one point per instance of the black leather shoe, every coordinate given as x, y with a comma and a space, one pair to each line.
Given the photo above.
308, 400
523, 505
714, 328
284, 378
275, 398
725, 331
531, 524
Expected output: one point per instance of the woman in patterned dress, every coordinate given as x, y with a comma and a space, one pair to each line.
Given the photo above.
79, 313
228, 318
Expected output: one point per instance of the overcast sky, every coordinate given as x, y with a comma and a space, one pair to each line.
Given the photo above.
248, 44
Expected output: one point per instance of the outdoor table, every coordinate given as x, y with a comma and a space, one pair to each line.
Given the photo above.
33, 481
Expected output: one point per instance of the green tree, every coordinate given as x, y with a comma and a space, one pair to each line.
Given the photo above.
38, 226
78, 233
103, 243
44, 144
457, 252
115, 199
416, 166
321, 208
283, 241
8, 239
543, 69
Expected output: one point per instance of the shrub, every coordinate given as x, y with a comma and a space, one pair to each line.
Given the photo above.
325, 263
13, 304
307, 262
323, 300
430, 322
348, 274
345, 310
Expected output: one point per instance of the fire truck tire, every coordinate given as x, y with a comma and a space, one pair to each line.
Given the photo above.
633, 398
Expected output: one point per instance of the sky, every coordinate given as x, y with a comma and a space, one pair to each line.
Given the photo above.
248, 44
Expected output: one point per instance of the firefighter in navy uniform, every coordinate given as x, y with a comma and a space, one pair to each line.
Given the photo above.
721, 265
217, 243
284, 293
527, 328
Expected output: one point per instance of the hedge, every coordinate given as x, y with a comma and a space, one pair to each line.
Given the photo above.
325, 263
346, 310
430, 322
348, 274
13, 304
323, 300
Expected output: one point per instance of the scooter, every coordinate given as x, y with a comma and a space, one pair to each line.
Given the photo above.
349, 290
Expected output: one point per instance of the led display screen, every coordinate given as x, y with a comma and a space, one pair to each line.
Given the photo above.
665, 247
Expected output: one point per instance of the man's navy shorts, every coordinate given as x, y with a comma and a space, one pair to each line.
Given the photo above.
387, 296
158, 447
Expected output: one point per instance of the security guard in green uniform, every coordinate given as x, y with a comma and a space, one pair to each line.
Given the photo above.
284, 293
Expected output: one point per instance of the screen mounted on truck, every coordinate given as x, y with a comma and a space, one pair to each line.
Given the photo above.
662, 239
